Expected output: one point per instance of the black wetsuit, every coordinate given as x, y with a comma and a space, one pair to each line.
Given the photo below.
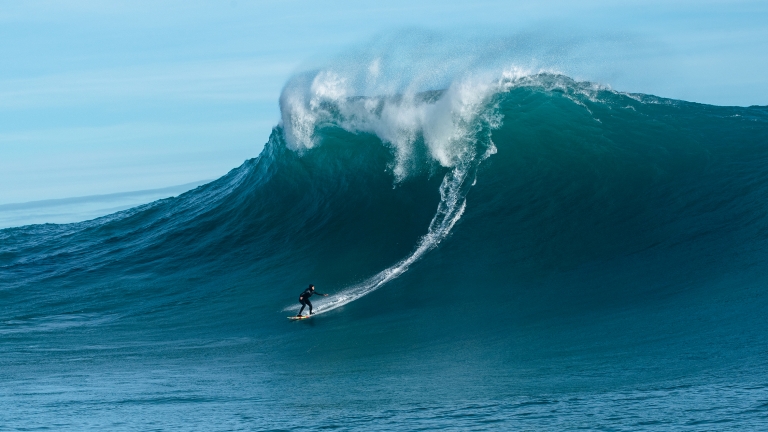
304, 300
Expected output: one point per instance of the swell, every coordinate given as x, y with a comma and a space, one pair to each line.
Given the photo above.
586, 199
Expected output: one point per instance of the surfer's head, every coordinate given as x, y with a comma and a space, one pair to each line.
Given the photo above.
312, 287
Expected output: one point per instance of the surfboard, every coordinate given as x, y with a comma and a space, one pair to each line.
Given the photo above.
299, 318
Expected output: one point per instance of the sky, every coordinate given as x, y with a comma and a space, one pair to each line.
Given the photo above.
112, 97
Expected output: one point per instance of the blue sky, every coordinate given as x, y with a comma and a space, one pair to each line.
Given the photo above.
104, 97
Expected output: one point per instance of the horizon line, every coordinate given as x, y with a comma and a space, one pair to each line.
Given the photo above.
87, 198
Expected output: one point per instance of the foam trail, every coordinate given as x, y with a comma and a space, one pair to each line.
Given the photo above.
449, 211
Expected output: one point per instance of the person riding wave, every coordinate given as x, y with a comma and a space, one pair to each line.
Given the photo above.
304, 299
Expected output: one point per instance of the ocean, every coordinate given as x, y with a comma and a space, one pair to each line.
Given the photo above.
520, 252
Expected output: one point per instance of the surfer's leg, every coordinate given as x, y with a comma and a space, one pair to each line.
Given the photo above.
302, 308
310, 306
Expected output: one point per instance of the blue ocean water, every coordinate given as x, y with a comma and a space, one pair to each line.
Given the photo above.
525, 253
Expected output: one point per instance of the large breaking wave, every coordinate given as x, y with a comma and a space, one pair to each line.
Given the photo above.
353, 189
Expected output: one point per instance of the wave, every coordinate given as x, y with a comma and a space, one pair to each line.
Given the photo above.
567, 196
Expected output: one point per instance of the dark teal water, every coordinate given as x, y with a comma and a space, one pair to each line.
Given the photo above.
596, 260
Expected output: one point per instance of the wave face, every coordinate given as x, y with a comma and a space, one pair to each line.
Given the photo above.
495, 251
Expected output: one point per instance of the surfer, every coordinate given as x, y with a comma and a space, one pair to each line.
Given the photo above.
304, 299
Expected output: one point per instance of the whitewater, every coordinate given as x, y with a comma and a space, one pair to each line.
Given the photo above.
506, 247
